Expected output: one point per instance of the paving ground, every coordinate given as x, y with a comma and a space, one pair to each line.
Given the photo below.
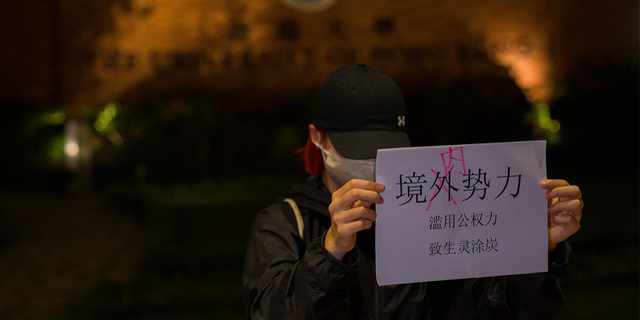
58, 247
61, 250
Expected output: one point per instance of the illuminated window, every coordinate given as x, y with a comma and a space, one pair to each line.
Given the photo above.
288, 30
130, 61
336, 29
383, 26
238, 31
382, 53
111, 59
414, 55
186, 60
90, 58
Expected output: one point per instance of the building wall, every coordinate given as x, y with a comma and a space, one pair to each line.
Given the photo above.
250, 53
27, 52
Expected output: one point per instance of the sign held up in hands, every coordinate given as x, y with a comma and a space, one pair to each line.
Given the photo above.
465, 211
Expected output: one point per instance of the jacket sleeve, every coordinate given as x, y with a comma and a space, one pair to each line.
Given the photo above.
280, 284
527, 296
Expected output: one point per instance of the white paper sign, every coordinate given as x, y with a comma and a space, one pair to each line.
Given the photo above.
465, 211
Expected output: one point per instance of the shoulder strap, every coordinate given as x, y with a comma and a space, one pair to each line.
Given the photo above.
296, 212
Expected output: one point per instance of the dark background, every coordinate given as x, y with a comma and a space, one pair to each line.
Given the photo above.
155, 226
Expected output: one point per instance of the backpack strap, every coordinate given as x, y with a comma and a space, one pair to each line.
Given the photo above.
296, 212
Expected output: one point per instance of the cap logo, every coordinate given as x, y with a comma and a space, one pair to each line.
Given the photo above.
400, 121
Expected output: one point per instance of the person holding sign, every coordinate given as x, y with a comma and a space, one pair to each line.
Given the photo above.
311, 255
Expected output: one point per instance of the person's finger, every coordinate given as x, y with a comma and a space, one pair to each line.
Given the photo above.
347, 229
354, 214
361, 195
553, 183
355, 196
359, 184
357, 226
565, 191
566, 219
574, 205
363, 203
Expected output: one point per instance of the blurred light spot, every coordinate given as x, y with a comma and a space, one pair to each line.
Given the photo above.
553, 138
56, 149
115, 138
543, 115
554, 126
549, 128
71, 148
55, 118
43, 119
105, 118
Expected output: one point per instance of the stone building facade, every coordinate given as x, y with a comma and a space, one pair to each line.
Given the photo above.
253, 53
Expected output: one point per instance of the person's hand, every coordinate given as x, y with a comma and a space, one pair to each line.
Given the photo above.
350, 212
564, 210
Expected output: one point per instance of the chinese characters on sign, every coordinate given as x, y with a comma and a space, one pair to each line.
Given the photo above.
464, 246
413, 187
461, 211
450, 221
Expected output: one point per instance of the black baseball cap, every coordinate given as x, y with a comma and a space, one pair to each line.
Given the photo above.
362, 110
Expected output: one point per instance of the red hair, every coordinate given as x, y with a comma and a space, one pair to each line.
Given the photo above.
313, 162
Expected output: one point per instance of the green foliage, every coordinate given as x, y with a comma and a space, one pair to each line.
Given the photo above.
32, 147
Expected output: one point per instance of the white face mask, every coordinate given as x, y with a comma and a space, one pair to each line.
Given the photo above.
341, 169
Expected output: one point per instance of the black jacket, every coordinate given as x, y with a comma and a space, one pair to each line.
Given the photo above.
289, 277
